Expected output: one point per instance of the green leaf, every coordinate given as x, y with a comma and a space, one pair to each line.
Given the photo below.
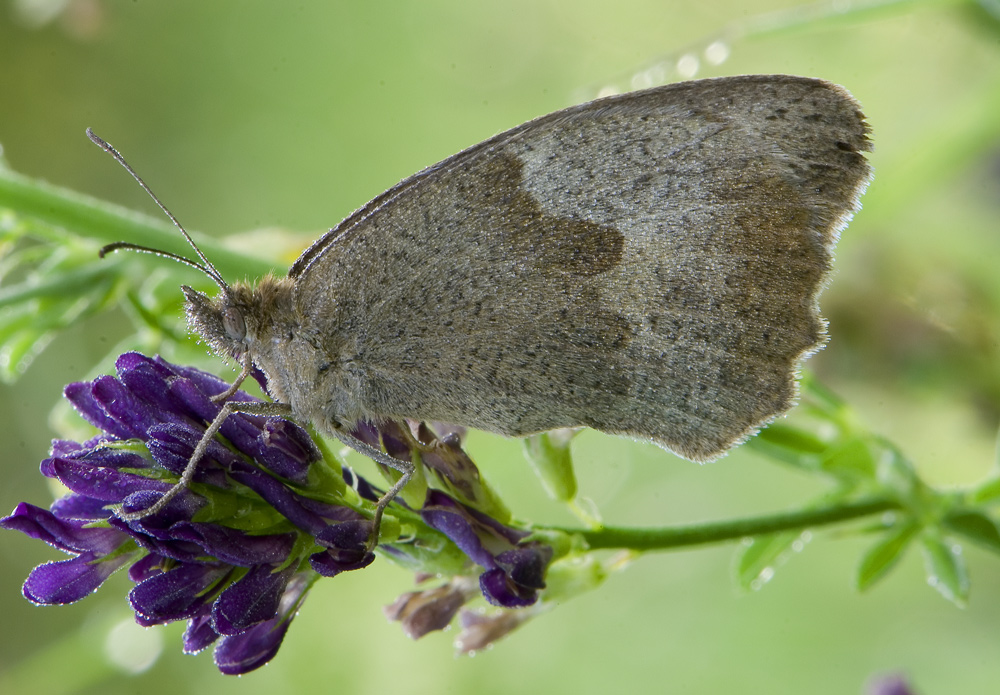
787, 444
549, 456
987, 491
884, 555
104, 223
895, 472
756, 561
823, 402
27, 327
946, 570
793, 438
977, 527
851, 460
573, 576
51, 276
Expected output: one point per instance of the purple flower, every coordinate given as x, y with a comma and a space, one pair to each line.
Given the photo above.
264, 517
228, 553
256, 646
893, 684
515, 568
68, 580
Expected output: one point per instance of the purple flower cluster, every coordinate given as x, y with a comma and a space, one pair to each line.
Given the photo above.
265, 517
515, 568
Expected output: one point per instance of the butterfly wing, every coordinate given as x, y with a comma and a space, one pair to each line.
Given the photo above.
646, 264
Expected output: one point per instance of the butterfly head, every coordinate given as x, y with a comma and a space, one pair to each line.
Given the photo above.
220, 321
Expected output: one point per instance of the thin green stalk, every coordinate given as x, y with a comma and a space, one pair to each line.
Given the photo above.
718, 532
106, 223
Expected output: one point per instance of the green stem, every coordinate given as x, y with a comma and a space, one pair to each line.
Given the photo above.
107, 223
703, 534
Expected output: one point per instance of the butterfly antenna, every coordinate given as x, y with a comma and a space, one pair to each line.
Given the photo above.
205, 266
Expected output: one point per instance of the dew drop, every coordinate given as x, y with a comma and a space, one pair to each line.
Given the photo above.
716, 53
641, 80
131, 648
687, 66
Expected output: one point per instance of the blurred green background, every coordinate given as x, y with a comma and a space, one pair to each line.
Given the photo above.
247, 115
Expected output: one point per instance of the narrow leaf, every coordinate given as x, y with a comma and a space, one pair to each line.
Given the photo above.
884, 555
550, 458
851, 460
977, 527
946, 570
987, 491
759, 556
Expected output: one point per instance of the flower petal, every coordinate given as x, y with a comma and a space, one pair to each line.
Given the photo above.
177, 594
239, 428
526, 564
287, 450
101, 483
450, 518
67, 581
43, 525
81, 397
132, 414
128, 361
199, 633
347, 548
327, 563
210, 384
75, 506
519, 575
234, 546
145, 567
420, 612
252, 600
181, 508
149, 383
242, 653
480, 630
500, 591
249, 650
171, 445
278, 496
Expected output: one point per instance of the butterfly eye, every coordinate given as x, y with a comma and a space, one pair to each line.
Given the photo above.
232, 321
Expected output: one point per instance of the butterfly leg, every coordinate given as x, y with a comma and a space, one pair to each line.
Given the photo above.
278, 409
406, 468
